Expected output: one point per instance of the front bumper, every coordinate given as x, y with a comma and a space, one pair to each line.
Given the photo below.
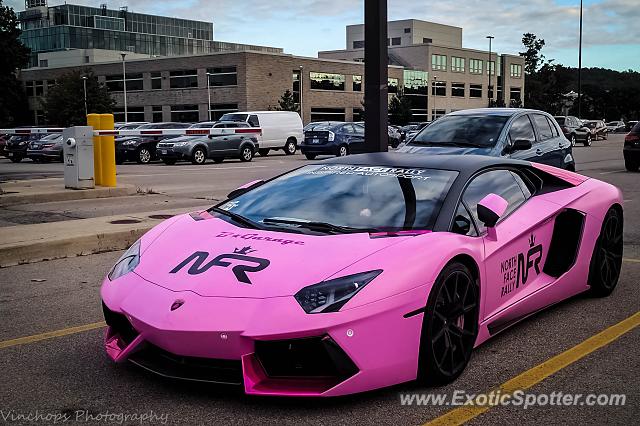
172, 153
270, 346
51, 154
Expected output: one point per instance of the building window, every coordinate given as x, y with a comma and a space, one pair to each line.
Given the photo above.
439, 88
457, 64
439, 62
457, 90
183, 79
44, 63
39, 88
328, 114
133, 114
115, 83
396, 41
515, 70
392, 85
407, 30
28, 87
295, 89
416, 88
515, 93
358, 114
358, 44
475, 90
357, 83
475, 66
490, 92
491, 67
426, 40
437, 113
185, 113
156, 113
218, 110
156, 81
326, 81
222, 76
40, 117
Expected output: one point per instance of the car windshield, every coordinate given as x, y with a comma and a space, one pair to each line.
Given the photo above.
560, 120
205, 125
462, 130
130, 126
234, 117
361, 197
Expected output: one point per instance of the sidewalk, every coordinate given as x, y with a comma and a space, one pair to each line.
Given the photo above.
44, 241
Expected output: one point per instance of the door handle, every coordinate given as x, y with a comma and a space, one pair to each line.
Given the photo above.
539, 151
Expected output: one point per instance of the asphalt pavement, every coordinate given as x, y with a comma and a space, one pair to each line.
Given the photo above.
66, 373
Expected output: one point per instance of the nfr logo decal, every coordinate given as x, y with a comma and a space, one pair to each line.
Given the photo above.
245, 264
516, 269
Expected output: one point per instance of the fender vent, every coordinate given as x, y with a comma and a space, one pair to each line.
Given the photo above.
565, 242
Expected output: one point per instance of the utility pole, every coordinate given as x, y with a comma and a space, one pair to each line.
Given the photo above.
84, 83
208, 97
580, 67
376, 76
124, 86
489, 72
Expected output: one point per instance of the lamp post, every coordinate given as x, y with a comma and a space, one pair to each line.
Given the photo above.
208, 97
434, 93
301, 90
84, 83
489, 71
124, 86
580, 66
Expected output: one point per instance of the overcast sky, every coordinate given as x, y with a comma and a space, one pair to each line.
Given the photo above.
303, 27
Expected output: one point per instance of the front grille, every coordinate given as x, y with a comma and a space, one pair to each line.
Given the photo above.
305, 358
166, 364
120, 325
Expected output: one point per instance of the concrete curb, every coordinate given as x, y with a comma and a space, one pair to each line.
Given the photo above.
47, 195
46, 241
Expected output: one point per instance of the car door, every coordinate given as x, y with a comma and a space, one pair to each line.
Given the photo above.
514, 259
548, 150
357, 138
521, 128
218, 143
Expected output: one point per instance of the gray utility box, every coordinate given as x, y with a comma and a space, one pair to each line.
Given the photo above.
78, 157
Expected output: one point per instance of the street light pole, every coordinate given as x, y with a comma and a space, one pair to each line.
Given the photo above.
301, 93
84, 83
208, 97
489, 71
124, 85
434, 93
580, 67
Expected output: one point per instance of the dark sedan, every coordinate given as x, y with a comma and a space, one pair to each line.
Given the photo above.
574, 130
597, 128
46, 149
332, 138
16, 147
499, 132
142, 149
631, 150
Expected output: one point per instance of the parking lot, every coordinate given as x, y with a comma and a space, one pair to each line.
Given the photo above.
53, 358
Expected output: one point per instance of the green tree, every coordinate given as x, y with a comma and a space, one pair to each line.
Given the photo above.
286, 102
400, 109
14, 56
64, 104
532, 56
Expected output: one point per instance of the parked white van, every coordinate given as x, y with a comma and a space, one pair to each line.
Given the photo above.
280, 129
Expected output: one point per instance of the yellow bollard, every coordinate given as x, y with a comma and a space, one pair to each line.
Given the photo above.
107, 152
93, 120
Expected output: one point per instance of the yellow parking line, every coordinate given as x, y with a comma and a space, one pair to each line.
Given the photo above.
625, 259
50, 335
540, 372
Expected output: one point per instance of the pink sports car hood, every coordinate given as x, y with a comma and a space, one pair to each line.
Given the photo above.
212, 257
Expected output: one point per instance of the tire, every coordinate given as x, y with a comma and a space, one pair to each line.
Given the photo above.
606, 262
631, 166
343, 151
450, 325
246, 153
290, 147
573, 140
198, 156
310, 156
587, 141
15, 159
218, 160
143, 155
169, 161
263, 152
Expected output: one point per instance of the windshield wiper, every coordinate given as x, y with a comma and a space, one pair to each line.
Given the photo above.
452, 143
315, 226
240, 219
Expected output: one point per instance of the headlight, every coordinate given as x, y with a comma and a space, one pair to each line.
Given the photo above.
332, 136
127, 262
130, 142
330, 296
178, 144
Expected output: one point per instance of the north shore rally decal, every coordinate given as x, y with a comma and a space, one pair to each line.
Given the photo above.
516, 269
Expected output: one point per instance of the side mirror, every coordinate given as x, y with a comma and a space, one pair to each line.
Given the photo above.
245, 188
521, 145
491, 208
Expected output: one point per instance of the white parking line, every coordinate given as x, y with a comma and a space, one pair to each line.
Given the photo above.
611, 172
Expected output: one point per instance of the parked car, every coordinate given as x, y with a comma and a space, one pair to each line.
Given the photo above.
631, 150
393, 134
280, 129
198, 149
630, 125
522, 134
17, 145
615, 126
130, 125
597, 128
416, 129
46, 149
142, 149
3, 143
574, 130
337, 139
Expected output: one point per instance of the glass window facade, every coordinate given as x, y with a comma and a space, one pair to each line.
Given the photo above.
115, 83
328, 114
491, 67
438, 62
357, 83
295, 89
475, 90
457, 90
222, 76
156, 81
184, 79
475, 66
326, 81
218, 110
515, 93
515, 70
439, 88
185, 113
392, 85
457, 64
156, 113
416, 88
133, 114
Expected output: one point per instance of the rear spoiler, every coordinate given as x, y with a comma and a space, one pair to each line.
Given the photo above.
570, 177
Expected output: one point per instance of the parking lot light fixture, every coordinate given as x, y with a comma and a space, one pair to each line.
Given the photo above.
490, 37
84, 84
124, 86
208, 97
